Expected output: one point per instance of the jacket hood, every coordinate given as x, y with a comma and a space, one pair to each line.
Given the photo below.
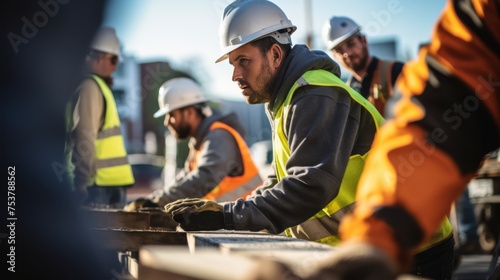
230, 119
299, 60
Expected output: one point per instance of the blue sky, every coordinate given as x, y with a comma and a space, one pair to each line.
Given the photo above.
185, 32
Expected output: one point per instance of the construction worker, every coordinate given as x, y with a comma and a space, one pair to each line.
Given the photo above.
322, 131
446, 119
96, 152
219, 166
372, 77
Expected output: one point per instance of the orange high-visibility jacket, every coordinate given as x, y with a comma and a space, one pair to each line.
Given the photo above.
233, 187
446, 117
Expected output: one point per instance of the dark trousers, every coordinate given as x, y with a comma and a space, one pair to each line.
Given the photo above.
435, 262
467, 225
106, 197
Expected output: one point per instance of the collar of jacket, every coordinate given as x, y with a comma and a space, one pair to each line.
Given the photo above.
107, 80
230, 119
299, 60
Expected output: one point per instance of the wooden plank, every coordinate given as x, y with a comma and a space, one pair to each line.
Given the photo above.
146, 218
214, 238
173, 262
133, 239
115, 218
159, 219
247, 240
303, 255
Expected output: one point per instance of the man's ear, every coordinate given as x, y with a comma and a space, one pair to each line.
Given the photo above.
276, 55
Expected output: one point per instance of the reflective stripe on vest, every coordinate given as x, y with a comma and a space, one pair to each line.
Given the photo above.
322, 227
112, 167
233, 187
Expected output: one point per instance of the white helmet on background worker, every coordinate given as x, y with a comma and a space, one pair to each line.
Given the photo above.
106, 41
177, 93
245, 21
337, 29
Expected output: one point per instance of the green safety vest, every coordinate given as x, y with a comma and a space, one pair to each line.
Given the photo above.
323, 226
112, 166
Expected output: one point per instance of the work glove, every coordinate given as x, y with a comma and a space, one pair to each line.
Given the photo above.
196, 214
140, 203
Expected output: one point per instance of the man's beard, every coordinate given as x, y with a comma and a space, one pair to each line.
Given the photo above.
264, 81
363, 60
182, 131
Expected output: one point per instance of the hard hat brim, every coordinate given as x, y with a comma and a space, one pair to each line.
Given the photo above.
333, 44
223, 57
282, 39
162, 112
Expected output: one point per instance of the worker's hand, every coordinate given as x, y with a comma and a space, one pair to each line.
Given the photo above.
356, 261
140, 203
196, 214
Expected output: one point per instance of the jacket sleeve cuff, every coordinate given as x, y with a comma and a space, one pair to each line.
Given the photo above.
228, 215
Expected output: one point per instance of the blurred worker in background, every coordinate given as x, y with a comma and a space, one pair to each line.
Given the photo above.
372, 77
322, 131
446, 117
96, 150
219, 165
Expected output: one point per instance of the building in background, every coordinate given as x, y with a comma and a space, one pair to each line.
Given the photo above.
126, 90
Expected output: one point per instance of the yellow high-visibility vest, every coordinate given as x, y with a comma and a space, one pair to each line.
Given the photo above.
323, 226
112, 166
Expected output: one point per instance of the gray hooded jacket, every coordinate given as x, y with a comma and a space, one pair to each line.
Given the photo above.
220, 157
324, 127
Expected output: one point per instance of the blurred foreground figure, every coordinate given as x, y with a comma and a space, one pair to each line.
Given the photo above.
42, 54
443, 119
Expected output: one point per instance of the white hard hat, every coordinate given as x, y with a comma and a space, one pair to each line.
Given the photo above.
106, 41
338, 29
245, 21
178, 93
